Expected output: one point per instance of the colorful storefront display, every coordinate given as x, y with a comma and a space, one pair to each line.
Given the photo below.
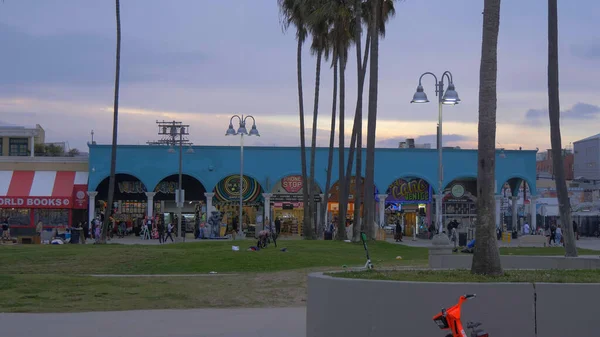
408, 201
56, 198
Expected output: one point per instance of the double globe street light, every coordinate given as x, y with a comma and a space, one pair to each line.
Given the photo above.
449, 97
241, 131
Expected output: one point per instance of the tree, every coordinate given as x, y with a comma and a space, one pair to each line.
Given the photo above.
486, 259
293, 12
113, 154
562, 193
319, 29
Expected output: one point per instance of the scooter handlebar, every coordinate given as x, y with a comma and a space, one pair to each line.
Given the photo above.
470, 296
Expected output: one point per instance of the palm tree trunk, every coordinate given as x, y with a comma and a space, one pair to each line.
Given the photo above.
306, 224
369, 202
343, 191
562, 193
113, 153
486, 259
325, 200
313, 145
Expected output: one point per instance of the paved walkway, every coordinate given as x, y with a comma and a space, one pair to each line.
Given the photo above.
277, 322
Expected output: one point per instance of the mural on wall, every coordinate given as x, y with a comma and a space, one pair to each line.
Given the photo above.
409, 191
228, 189
131, 187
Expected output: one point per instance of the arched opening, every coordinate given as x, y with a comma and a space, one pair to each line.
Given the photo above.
333, 206
515, 207
130, 202
459, 206
194, 205
288, 205
227, 201
409, 203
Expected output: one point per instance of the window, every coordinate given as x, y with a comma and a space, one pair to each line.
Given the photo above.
52, 217
18, 147
16, 217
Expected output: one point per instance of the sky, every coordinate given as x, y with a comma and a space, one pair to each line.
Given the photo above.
202, 61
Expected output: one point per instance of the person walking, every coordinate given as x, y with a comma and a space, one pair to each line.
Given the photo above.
526, 229
576, 230
558, 235
398, 233
169, 232
277, 226
552, 235
161, 232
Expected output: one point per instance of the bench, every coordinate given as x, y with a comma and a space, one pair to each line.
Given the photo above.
533, 241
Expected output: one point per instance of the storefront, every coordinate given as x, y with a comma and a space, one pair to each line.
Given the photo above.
227, 201
333, 207
409, 201
460, 203
287, 204
58, 199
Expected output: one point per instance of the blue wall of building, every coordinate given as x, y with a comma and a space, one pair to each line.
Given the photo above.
210, 164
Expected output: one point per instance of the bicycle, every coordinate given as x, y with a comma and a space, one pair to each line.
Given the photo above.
449, 319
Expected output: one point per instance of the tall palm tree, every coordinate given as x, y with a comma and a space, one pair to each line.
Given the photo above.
377, 15
293, 12
486, 259
331, 139
555, 138
113, 151
319, 30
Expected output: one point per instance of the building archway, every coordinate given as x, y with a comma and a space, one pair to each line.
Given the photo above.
333, 200
130, 202
227, 201
460, 204
194, 205
515, 206
288, 205
409, 201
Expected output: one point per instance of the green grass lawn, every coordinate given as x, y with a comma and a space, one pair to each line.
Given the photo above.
56, 278
551, 276
201, 257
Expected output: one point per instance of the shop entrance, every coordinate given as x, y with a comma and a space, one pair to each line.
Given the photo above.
288, 206
409, 202
226, 201
333, 202
194, 198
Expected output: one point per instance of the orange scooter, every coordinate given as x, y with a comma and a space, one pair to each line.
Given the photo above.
449, 319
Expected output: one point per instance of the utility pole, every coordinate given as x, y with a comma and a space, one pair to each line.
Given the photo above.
175, 134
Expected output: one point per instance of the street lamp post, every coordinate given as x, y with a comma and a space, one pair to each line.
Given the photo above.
450, 97
241, 131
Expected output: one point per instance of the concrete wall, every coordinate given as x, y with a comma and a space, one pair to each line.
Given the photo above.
463, 261
349, 307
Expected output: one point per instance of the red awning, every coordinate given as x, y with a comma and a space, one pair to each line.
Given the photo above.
43, 189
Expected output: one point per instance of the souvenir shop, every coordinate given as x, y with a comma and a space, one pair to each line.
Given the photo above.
409, 201
227, 201
58, 199
287, 204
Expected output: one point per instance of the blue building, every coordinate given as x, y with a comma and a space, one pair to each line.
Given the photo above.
405, 179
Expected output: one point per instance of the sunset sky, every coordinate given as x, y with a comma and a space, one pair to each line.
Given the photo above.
200, 61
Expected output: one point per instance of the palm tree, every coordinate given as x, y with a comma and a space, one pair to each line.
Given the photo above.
486, 259
293, 12
377, 15
319, 30
331, 139
113, 153
555, 138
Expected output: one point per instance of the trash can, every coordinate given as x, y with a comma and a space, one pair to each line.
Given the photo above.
462, 239
76, 235
328, 235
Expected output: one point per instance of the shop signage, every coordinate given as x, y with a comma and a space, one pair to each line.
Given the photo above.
292, 184
132, 187
80, 199
291, 198
166, 187
414, 191
35, 202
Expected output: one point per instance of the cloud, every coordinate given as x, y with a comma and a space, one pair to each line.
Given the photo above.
589, 51
85, 59
580, 111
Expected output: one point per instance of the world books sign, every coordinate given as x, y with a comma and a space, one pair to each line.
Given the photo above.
409, 191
